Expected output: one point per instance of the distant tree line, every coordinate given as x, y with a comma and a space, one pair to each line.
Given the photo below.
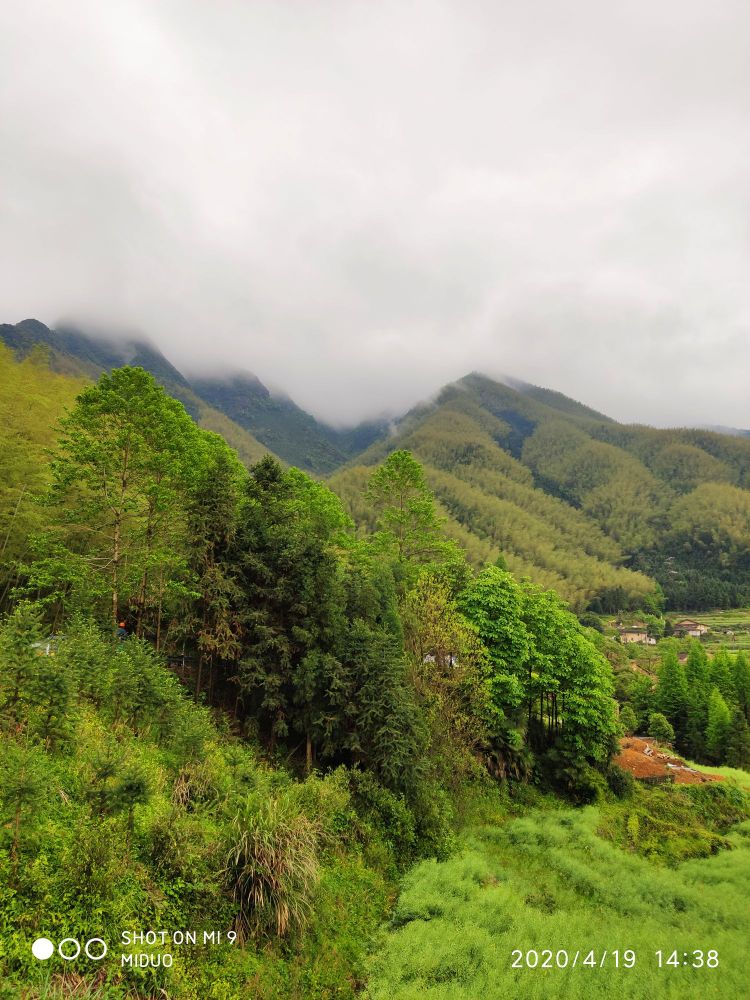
702, 706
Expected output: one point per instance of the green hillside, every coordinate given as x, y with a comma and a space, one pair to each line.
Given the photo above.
286, 429
70, 352
613, 516
579, 502
238, 406
278, 422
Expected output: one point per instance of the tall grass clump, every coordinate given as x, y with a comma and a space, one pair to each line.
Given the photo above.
273, 866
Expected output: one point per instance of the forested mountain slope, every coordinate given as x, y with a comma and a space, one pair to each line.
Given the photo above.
238, 406
70, 352
580, 502
596, 509
290, 715
286, 429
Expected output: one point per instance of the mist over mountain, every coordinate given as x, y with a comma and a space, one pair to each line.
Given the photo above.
237, 405
598, 510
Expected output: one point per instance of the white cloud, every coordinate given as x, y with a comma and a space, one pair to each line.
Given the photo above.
360, 202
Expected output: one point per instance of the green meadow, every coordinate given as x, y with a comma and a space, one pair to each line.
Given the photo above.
579, 882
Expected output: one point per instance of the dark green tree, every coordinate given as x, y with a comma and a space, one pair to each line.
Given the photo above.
23, 787
738, 741
21, 649
671, 697
720, 673
212, 622
741, 682
287, 567
717, 728
697, 676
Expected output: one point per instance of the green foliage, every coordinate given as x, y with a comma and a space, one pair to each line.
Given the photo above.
123, 465
32, 400
641, 698
272, 866
737, 751
547, 676
660, 728
717, 728
549, 880
146, 808
450, 671
628, 720
621, 782
670, 505
671, 697
407, 522
22, 791
741, 682
380, 667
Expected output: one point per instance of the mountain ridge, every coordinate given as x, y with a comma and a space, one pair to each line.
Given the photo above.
610, 515
273, 421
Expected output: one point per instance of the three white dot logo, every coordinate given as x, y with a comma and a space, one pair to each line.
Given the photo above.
69, 949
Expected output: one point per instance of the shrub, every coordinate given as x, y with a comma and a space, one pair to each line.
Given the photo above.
580, 782
628, 720
660, 728
384, 813
621, 782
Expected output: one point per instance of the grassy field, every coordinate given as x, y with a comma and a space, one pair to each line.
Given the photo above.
550, 882
721, 623
732, 773
736, 620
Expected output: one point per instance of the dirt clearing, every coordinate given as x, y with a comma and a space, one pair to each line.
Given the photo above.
646, 760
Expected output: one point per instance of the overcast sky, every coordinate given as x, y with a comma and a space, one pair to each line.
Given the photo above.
361, 201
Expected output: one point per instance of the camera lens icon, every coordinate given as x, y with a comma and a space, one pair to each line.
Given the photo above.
69, 949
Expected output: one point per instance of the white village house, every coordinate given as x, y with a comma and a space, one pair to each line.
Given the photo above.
689, 627
636, 633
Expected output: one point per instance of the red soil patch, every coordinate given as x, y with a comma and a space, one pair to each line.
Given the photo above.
644, 759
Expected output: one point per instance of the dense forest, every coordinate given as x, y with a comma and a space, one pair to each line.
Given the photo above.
235, 698
612, 517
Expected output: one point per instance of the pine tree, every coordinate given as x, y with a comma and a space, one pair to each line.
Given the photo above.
387, 733
286, 565
698, 680
22, 791
738, 741
671, 697
21, 641
741, 681
213, 617
717, 729
720, 673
